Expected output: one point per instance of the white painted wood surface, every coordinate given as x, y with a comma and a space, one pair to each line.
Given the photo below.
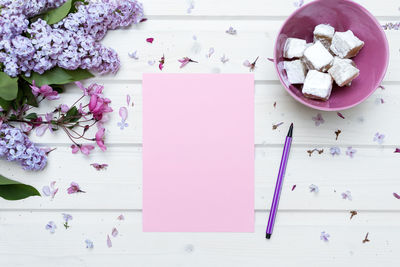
371, 176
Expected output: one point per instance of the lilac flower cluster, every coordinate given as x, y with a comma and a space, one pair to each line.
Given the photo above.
71, 43
16, 146
14, 14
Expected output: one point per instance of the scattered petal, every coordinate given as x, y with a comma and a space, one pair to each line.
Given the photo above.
89, 244
151, 62
99, 167
274, 104
109, 243
251, 66
379, 138
293, 187
313, 188
334, 151
270, 59
396, 195
231, 31
366, 238
298, 3
310, 152
324, 236
340, 115
50, 191
128, 100
184, 61
382, 87
74, 188
150, 40
275, 126
210, 52
51, 226
347, 195
350, 152
353, 213
191, 7
224, 59
318, 119
67, 218
114, 232
337, 133
133, 55
161, 63
123, 113
121, 217
397, 150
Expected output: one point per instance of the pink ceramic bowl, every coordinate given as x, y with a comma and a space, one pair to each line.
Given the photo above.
343, 15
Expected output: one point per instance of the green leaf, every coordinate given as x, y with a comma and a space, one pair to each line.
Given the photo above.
58, 76
13, 190
5, 104
8, 87
28, 96
31, 116
72, 115
55, 15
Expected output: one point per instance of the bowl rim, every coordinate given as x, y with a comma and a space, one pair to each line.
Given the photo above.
382, 32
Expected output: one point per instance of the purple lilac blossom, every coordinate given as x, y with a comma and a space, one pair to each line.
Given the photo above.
16, 146
71, 43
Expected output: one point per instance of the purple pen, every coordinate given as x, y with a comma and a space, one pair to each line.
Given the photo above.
279, 182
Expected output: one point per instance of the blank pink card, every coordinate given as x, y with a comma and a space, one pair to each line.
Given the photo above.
198, 152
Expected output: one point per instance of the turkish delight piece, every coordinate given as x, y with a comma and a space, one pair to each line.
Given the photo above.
317, 85
343, 71
294, 48
317, 57
296, 71
346, 44
324, 33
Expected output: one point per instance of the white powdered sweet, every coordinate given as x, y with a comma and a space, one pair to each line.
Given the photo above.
317, 57
324, 33
343, 71
296, 71
346, 44
324, 30
294, 48
317, 85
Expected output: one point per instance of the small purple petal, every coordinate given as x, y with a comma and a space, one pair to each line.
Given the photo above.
396, 195
123, 113
114, 232
109, 243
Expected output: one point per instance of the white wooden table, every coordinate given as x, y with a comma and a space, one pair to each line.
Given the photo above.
371, 176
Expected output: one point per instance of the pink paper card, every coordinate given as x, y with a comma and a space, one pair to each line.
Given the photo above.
198, 152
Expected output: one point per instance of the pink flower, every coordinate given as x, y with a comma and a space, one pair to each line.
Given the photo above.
98, 166
40, 130
74, 188
98, 106
150, 40
64, 108
85, 149
95, 89
100, 139
45, 90
184, 61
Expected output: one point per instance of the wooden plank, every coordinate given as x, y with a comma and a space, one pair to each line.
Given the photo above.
120, 186
358, 128
22, 246
258, 8
174, 39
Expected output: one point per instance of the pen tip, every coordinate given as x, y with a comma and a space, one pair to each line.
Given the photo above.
267, 236
290, 133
